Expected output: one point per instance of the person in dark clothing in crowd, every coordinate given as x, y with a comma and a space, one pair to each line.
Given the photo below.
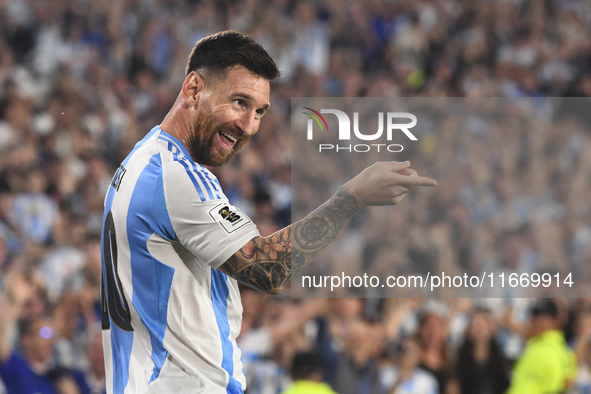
23, 368
480, 365
25, 371
436, 356
29, 367
357, 371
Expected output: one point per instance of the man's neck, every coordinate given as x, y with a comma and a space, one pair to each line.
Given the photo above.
176, 122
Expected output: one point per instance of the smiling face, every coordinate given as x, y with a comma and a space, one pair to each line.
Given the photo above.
227, 114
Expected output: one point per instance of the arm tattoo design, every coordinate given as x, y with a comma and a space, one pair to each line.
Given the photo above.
269, 263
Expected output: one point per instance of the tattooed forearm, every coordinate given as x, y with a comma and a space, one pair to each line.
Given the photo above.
263, 263
269, 263
313, 233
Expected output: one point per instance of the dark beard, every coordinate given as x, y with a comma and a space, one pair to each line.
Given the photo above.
200, 142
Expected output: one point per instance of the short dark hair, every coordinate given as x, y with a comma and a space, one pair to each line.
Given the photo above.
25, 326
305, 364
221, 51
544, 307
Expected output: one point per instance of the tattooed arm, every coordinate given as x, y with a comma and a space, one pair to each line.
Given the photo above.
269, 263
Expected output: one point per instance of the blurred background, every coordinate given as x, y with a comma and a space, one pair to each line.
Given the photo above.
82, 81
513, 198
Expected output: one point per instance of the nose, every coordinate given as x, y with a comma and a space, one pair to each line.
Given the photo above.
248, 123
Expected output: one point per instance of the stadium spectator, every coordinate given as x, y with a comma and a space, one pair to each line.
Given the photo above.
357, 369
306, 375
582, 383
481, 365
547, 364
436, 356
69, 72
32, 365
406, 377
33, 213
24, 371
92, 380
582, 348
269, 348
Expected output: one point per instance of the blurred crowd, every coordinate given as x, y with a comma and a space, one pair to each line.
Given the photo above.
514, 197
82, 81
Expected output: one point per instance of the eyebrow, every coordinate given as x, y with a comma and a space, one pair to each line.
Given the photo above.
249, 97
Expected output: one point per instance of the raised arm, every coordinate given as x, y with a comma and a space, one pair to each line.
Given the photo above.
18, 290
269, 263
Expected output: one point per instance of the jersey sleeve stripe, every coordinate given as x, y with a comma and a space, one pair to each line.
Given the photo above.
175, 141
214, 182
176, 157
196, 168
206, 185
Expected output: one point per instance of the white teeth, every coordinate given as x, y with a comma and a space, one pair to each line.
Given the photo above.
231, 138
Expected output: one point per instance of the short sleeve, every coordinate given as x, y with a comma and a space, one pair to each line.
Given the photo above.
202, 218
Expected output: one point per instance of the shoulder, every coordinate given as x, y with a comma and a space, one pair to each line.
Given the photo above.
161, 161
543, 357
14, 359
536, 354
180, 171
547, 348
15, 365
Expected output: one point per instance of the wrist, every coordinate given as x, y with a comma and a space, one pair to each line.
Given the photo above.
349, 192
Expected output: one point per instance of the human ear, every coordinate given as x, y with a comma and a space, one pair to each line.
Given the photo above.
192, 86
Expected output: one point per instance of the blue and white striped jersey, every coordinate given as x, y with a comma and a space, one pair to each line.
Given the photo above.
170, 319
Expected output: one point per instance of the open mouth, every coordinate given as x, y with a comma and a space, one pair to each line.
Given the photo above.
228, 140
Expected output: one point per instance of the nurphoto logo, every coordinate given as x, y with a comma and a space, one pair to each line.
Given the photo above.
344, 130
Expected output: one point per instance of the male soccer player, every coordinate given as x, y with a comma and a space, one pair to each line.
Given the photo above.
174, 247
